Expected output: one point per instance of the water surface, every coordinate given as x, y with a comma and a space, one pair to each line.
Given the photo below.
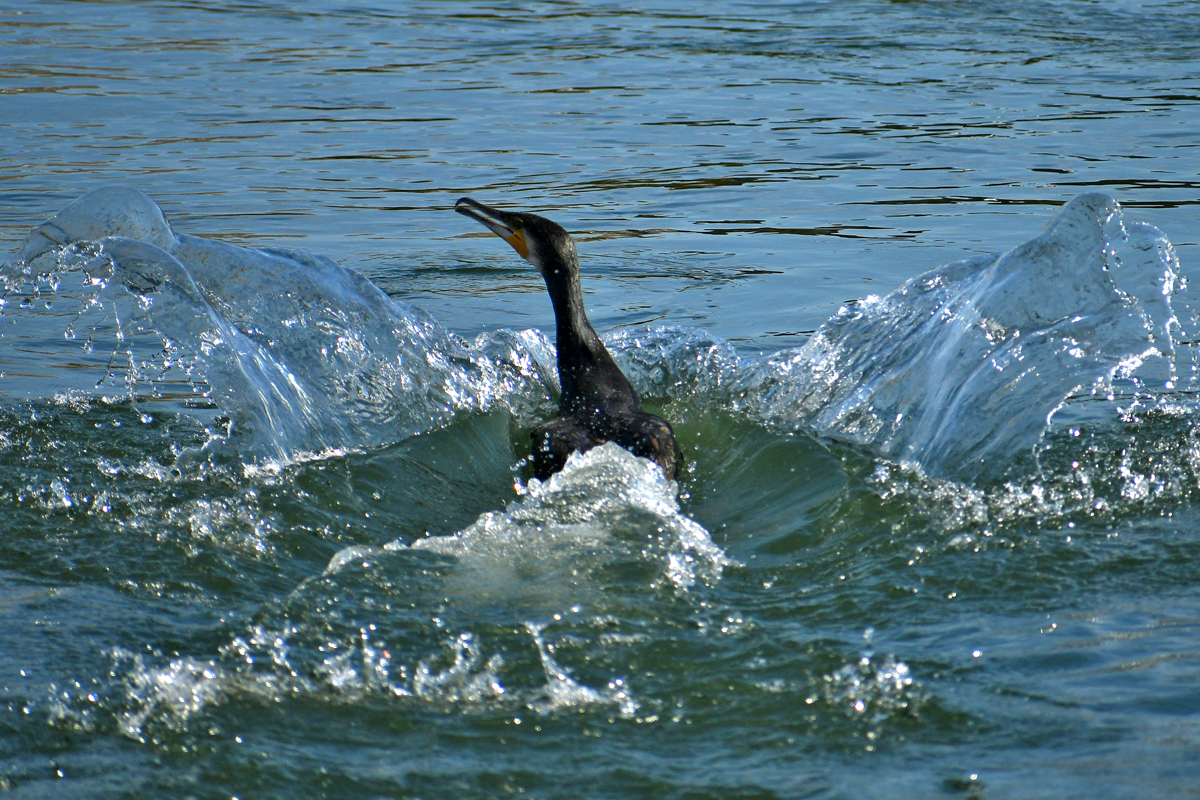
267, 532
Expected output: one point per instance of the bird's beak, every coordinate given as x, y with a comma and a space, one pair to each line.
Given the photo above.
498, 222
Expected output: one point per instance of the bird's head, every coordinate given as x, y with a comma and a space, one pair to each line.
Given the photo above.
536, 239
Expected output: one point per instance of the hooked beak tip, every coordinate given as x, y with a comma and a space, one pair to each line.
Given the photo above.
494, 220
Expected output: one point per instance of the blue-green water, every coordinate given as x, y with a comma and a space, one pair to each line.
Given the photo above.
267, 532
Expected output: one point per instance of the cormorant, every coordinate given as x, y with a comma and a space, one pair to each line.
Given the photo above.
598, 404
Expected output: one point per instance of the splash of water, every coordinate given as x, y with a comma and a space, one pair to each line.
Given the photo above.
958, 373
307, 355
966, 364
169, 695
603, 501
562, 692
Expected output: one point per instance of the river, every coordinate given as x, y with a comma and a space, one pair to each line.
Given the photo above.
909, 279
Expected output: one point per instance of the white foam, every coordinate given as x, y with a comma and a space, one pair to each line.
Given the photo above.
606, 500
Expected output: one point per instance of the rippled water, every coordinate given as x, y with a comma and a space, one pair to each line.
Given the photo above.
268, 532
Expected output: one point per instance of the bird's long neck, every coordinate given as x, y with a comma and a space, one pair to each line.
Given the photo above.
590, 379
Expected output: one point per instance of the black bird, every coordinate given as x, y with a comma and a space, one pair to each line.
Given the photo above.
598, 405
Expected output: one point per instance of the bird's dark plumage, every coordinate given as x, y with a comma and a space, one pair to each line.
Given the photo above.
598, 404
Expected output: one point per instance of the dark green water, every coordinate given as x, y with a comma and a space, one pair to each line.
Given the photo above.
266, 532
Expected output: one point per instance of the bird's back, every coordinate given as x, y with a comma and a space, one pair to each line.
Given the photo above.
639, 432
